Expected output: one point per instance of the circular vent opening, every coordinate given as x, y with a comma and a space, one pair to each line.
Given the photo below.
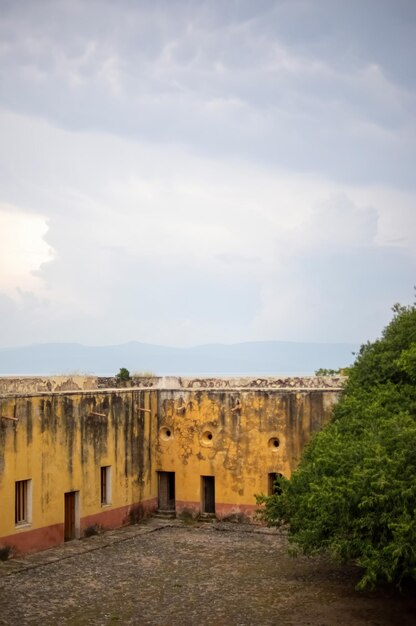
166, 433
274, 443
207, 438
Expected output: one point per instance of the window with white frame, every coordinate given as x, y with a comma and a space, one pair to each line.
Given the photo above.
23, 502
106, 484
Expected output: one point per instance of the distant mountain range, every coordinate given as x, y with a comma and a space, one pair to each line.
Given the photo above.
257, 357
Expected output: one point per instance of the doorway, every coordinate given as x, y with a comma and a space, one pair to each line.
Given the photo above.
166, 491
71, 524
273, 489
208, 494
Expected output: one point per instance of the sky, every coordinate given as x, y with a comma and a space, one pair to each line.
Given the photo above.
184, 172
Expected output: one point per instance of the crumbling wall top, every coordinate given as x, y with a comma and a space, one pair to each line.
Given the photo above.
27, 385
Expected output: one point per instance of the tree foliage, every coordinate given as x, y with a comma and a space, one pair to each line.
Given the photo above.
324, 371
123, 375
354, 492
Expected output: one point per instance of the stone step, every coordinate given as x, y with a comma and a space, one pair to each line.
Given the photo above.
207, 517
164, 514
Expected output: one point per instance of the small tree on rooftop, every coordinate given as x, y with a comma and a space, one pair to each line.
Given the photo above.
123, 376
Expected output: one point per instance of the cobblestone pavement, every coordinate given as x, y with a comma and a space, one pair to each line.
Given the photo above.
173, 574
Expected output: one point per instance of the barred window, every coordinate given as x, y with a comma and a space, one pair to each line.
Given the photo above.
22, 506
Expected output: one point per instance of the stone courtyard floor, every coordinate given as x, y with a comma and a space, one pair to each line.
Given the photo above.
163, 573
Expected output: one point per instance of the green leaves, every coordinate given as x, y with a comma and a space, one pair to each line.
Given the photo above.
354, 493
123, 375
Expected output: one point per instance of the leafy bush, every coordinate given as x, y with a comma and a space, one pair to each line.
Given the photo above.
354, 492
323, 371
123, 376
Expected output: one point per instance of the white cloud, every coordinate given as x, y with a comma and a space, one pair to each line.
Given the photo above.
205, 171
22, 250
186, 249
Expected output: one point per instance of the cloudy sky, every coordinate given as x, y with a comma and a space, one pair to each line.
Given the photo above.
189, 171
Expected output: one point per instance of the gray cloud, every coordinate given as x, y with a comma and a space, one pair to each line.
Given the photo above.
209, 171
320, 86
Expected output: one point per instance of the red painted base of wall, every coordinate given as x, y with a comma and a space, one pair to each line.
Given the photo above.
221, 510
115, 518
35, 540
24, 541
224, 510
187, 506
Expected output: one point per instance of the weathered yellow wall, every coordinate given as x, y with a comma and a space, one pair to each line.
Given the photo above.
61, 447
240, 454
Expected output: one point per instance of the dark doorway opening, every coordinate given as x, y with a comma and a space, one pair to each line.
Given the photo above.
273, 489
208, 494
71, 526
166, 491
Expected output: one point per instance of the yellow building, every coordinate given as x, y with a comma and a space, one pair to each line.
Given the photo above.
75, 456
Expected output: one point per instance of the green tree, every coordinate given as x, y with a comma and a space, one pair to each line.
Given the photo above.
354, 492
123, 375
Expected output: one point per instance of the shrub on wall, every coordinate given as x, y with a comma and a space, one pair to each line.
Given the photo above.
123, 376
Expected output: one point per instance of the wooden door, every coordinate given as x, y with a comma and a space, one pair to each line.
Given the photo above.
70, 516
208, 494
166, 491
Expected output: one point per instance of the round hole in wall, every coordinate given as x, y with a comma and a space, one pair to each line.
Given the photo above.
274, 443
207, 438
166, 433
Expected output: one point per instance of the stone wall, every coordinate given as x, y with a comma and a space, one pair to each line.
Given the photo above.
183, 432
239, 436
57, 442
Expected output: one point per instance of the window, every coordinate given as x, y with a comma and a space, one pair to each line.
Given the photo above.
106, 485
23, 502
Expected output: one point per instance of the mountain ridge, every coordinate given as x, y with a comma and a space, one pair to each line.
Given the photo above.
250, 357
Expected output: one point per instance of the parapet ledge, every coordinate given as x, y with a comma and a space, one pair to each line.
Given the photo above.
40, 385
264, 382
